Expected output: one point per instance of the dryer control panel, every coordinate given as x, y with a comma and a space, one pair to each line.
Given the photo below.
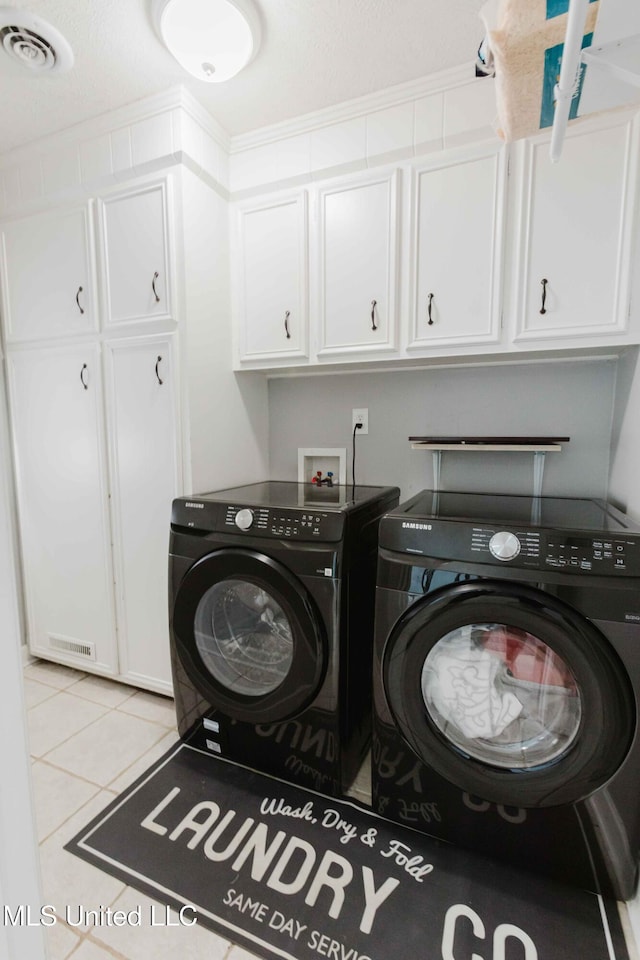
598, 555
557, 551
523, 547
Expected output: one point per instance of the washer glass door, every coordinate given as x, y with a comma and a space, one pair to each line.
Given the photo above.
509, 693
501, 695
250, 635
244, 637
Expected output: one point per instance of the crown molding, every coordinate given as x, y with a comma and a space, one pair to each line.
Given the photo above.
359, 106
174, 98
180, 98
207, 121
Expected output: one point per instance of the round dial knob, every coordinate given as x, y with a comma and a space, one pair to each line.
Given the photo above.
504, 545
244, 518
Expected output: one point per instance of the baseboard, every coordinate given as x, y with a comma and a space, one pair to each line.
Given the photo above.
26, 655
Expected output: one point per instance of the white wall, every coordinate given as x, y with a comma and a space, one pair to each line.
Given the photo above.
19, 879
559, 399
227, 414
624, 485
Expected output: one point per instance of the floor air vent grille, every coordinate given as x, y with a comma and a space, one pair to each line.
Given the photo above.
85, 650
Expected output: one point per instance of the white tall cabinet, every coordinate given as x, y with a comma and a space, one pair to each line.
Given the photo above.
57, 413
117, 410
96, 429
141, 400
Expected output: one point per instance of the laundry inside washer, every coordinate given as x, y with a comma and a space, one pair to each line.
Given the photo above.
507, 678
271, 622
502, 695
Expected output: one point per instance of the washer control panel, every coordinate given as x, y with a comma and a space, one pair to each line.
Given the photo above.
252, 520
303, 524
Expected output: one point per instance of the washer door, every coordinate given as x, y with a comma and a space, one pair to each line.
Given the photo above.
249, 636
509, 693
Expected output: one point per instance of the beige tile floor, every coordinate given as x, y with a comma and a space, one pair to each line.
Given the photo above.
89, 738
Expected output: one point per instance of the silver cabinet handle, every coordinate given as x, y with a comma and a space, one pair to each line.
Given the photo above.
153, 286
374, 325
286, 324
82, 377
158, 362
78, 300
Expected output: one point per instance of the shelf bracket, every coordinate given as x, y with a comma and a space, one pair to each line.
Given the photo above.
437, 465
538, 449
620, 58
538, 472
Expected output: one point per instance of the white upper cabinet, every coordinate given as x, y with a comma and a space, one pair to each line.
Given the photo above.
456, 257
47, 275
357, 257
575, 234
137, 257
272, 282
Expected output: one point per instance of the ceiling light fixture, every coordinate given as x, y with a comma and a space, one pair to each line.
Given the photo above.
212, 39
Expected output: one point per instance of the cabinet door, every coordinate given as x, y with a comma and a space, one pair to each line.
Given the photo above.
141, 408
575, 239
273, 282
458, 212
48, 278
137, 255
358, 240
63, 505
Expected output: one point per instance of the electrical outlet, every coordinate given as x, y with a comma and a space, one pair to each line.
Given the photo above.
360, 416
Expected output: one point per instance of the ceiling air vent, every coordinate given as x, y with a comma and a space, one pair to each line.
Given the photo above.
33, 42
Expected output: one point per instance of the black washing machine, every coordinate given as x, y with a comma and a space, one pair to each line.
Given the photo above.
506, 681
271, 591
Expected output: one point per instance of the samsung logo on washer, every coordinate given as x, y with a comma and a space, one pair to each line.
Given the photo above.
416, 526
196, 506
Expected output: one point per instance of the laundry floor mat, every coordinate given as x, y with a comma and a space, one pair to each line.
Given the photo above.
288, 873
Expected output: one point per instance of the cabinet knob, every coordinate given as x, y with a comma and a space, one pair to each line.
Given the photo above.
286, 324
430, 320
82, 376
158, 362
153, 286
78, 300
374, 325
543, 308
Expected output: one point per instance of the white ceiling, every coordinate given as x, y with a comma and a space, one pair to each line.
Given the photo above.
314, 53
